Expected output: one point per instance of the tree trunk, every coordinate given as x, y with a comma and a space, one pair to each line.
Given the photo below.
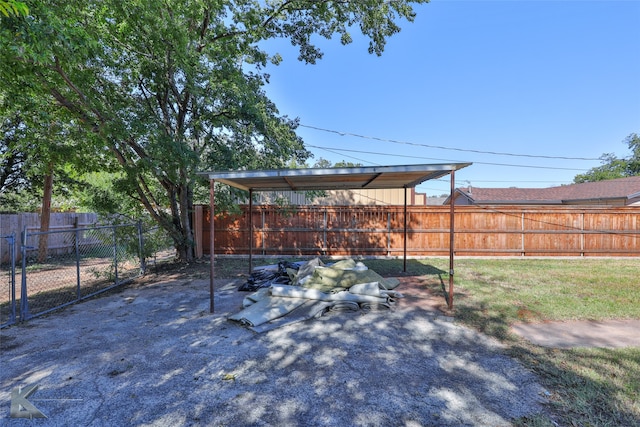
46, 213
185, 250
185, 217
179, 226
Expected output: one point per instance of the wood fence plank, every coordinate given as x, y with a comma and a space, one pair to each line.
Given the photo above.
480, 231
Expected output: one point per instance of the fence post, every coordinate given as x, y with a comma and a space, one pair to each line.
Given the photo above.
582, 234
77, 249
115, 254
522, 238
262, 234
324, 232
24, 301
198, 229
12, 256
388, 233
143, 263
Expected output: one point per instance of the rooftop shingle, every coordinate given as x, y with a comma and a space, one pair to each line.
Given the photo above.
622, 188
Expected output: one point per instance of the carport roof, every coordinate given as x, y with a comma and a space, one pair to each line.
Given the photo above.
370, 177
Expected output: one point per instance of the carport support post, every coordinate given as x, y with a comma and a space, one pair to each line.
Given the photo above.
404, 262
250, 231
451, 239
211, 244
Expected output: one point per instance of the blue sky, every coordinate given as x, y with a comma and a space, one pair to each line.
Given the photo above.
530, 78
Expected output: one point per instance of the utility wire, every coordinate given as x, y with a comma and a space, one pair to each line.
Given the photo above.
610, 232
333, 150
497, 153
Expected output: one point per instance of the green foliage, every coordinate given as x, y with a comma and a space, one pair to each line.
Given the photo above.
345, 164
19, 201
322, 163
613, 167
154, 91
33, 137
10, 8
155, 241
12, 157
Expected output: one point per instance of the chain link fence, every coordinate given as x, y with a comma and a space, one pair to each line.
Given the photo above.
62, 267
8, 308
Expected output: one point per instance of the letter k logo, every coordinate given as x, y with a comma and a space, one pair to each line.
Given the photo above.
21, 407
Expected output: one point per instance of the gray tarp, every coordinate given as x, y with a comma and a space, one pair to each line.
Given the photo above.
266, 309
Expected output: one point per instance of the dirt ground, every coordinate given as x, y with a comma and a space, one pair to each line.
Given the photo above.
151, 354
55, 283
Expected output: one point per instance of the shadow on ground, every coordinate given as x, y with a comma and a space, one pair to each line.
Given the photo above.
153, 355
590, 368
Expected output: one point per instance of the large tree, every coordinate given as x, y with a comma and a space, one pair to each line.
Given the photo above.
167, 88
613, 167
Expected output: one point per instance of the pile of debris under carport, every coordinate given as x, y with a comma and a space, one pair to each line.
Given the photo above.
291, 292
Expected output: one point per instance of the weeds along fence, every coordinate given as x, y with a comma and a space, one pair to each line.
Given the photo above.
379, 231
94, 260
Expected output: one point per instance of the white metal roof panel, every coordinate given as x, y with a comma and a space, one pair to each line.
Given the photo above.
374, 177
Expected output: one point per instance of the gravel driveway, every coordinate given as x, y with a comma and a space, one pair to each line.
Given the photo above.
152, 355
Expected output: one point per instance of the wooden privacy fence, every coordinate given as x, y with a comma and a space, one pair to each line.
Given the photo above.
379, 231
58, 243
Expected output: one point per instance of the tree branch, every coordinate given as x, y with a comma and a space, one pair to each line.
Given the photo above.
83, 98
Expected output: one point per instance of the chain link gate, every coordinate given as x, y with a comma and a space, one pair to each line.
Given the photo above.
61, 267
8, 309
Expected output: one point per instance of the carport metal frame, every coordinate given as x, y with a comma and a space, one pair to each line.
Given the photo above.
367, 177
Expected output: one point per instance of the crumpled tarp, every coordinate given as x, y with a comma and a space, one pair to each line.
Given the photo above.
343, 275
361, 294
266, 309
309, 310
263, 277
314, 290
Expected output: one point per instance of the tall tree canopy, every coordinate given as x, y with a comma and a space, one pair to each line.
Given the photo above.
166, 88
613, 167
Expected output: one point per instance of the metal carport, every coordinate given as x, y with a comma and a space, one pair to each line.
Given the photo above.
370, 177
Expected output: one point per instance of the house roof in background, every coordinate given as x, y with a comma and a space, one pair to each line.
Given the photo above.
373, 177
622, 188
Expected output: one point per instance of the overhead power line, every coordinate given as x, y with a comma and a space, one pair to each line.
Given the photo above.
497, 153
335, 150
